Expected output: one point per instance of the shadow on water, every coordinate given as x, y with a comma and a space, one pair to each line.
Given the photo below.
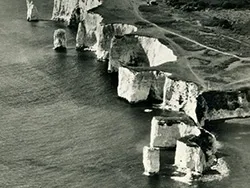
154, 182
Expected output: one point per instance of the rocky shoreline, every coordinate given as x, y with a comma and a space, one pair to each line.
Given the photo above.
147, 69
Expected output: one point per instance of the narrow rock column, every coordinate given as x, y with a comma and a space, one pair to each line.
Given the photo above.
151, 160
60, 39
80, 37
32, 12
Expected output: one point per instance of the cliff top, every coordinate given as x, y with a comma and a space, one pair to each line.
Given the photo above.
212, 45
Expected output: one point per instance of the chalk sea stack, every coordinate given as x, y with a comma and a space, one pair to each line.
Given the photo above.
32, 12
60, 40
166, 130
151, 160
195, 153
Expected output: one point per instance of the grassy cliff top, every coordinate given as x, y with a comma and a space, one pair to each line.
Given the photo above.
213, 46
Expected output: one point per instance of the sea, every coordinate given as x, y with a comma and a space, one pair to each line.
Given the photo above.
63, 126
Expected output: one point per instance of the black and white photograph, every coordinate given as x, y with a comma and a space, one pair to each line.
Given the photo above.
124, 94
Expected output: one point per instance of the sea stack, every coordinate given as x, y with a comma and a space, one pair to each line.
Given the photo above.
32, 12
166, 130
151, 160
60, 39
195, 153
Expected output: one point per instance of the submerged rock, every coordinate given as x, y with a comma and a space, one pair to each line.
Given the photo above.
151, 160
166, 130
195, 153
60, 40
32, 12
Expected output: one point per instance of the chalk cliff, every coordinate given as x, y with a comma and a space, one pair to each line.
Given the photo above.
180, 95
123, 44
177, 95
72, 11
96, 35
138, 51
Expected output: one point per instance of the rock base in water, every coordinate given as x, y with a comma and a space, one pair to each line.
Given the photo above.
195, 153
151, 160
60, 40
32, 12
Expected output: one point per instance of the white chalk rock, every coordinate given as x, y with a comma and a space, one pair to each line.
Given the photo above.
157, 52
133, 86
60, 40
166, 130
196, 153
151, 160
126, 51
32, 12
189, 155
180, 95
221, 105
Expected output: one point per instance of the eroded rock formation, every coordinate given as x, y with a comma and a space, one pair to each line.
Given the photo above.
165, 131
134, 86
180, 96
151, 160
176, 95
60, 40
196, 153
139, 51
32, 12
92, 32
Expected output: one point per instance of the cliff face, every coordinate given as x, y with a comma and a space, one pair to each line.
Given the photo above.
134, 86
126, 51
92, 32
138, 51
180, 96
73, 11
219, 105
176, 95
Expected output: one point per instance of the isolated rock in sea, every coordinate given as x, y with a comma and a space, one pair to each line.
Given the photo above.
221, 105
195, 153
60, 40
151, 160
133, 86
189, 155
32, 12
166, 130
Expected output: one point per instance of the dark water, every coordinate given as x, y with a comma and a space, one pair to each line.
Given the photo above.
62, 125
